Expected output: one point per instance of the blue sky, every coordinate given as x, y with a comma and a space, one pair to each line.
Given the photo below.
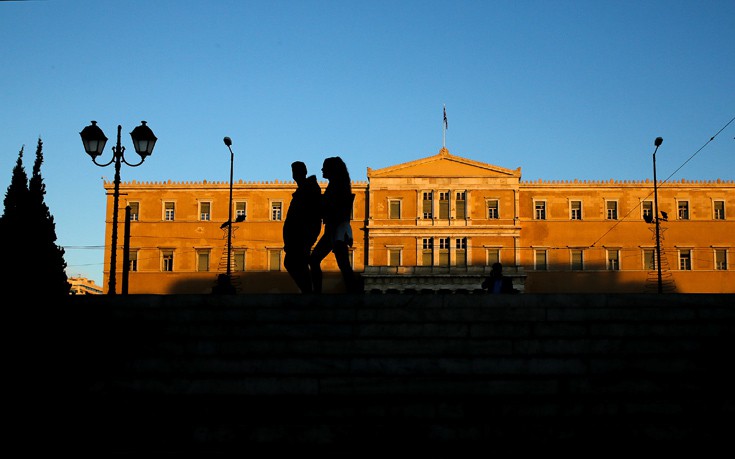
562, 89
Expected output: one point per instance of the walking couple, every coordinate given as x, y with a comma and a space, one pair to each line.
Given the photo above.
308, 209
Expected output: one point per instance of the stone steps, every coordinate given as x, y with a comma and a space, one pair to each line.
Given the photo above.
228, 372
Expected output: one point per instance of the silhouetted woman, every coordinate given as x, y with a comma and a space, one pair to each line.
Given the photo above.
336, 210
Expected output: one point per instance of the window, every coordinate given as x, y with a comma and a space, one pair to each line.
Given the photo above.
492, 209
428, 204
168, 211
539, 262
444, 251
394, 209
240, 210
719, 207
167, 257
461, 205
575, 210
612, 210
394, 257
540, 210
649, 259
276, 211
720, 259
444, 205
239, 260
685, 260
683, 210
577, 259
274, 259
427, 255
205, 211
492, 256
460, 251
133, 260
613, 259
203, 260
134, 211
647, 207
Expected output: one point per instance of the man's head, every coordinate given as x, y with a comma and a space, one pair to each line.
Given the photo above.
497, 269
298, 171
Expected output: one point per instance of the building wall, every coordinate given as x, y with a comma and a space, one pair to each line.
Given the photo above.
559, 236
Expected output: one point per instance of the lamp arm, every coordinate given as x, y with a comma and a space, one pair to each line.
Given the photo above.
94, 160
142, 158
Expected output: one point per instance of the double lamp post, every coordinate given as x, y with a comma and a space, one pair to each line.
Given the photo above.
94, 141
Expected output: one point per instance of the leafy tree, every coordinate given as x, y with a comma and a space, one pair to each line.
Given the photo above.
37, 264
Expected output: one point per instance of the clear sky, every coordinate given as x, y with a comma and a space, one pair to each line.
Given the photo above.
562, 89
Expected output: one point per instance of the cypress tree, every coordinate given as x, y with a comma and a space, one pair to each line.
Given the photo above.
52, 266
12, 224
37, 264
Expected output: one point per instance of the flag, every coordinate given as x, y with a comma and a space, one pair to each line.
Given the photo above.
446, 125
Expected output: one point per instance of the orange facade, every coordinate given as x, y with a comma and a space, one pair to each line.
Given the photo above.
439, 223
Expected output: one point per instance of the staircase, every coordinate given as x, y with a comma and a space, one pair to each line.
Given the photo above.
384, 373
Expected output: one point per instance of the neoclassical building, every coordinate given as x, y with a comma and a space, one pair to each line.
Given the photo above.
438, 223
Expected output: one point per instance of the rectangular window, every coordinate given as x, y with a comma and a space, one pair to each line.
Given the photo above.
427, 255
444, 205
683, 210
276, 211
612, 210
461, 205
239, 260
577, 259
539, 262
649, 259
492, 209
444, 251
133, 260
428, 204
203, 260
460, 251
720, 259
540, 210
167, 258
274, 259
394, 209
205, 211
576, 210
168, 212
647, 207
492, 256
134, 211
719, 208
613, 259
394, 257
685, 260
240, 211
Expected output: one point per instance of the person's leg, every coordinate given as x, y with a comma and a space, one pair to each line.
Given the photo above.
321, 250
297, 264
342, 254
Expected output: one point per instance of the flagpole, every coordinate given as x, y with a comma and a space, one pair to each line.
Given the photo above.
444, 128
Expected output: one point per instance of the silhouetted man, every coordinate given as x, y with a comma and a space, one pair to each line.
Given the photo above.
497, 282
302, 226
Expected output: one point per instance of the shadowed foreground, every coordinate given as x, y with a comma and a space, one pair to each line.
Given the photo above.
378, 373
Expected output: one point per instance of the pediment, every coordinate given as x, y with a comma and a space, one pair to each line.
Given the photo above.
443, 164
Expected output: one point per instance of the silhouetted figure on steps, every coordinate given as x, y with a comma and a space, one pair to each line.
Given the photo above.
302, 226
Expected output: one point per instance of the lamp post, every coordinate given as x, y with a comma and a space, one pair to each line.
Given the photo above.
657, 143
228, 143
94, 141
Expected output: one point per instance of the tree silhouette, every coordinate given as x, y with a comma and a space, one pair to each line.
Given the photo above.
27, 226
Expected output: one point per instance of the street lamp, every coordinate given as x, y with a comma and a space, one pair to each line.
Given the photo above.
228, 143
657, 143
94, 141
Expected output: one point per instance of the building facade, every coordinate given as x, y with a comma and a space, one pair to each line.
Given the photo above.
439, 223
